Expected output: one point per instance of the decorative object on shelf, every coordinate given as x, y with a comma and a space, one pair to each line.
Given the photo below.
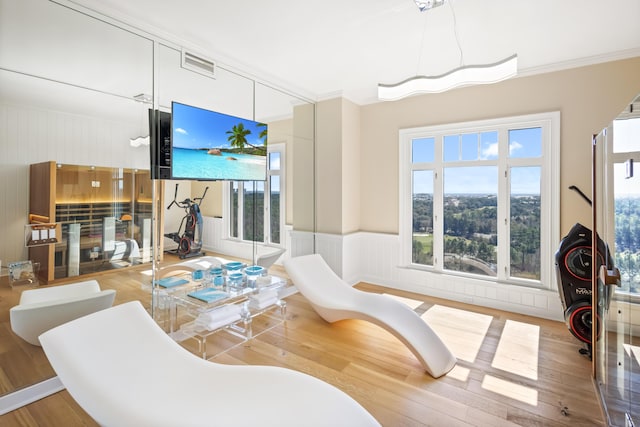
41, 234
22, 273
464, 75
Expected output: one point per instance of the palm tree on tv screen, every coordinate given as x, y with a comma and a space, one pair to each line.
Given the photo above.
238, 137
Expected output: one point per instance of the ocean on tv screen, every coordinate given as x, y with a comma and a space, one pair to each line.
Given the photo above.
200, 164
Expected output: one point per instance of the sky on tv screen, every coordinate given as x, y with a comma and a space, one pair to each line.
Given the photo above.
197, 128
202, 147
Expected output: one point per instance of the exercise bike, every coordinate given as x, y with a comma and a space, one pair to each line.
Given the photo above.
190, 241
574, 261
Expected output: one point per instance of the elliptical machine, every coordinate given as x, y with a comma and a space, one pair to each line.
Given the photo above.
573, 268
190, 241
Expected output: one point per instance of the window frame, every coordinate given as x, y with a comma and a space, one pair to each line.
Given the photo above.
266, 217
549, 123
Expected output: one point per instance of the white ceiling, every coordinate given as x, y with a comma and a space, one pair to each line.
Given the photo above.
346, 47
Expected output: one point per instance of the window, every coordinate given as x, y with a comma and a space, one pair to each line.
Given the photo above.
624, 155
255, 208
480, 199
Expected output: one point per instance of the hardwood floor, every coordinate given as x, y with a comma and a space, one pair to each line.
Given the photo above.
513, 370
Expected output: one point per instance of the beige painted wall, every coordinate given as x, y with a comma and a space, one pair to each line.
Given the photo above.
338, 163
351, 148
329, 165
302, 176
587, 97
212, 203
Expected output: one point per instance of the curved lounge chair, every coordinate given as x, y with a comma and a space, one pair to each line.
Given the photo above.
334, 300
268, 259
202, 263
44, 308
123, 370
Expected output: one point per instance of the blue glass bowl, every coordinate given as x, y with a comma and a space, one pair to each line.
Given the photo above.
235, 265
254, 270
235, 279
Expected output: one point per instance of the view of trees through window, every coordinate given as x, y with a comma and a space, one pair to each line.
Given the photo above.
254, 211
627, 253
470, 192
627, 202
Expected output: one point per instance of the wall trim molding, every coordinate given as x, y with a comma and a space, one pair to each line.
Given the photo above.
12, 401
375, 258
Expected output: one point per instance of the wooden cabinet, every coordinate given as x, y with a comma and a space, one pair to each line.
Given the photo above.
100, 212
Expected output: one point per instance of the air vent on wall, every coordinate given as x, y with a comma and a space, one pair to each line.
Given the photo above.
198, 64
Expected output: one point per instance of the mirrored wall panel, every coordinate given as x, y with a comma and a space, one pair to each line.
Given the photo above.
617, 353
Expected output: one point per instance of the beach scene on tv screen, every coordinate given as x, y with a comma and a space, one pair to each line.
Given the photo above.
209, 145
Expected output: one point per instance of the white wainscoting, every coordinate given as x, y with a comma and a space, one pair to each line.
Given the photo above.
33, 135
374, 258
214, 240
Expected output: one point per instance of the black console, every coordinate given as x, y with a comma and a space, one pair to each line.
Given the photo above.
160, 144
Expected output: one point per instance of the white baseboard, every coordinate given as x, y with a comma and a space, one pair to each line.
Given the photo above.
18, 399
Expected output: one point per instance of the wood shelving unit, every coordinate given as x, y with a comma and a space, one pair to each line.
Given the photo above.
85, 195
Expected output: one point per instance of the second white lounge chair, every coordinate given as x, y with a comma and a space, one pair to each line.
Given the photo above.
124, 370
44, 308
333, 299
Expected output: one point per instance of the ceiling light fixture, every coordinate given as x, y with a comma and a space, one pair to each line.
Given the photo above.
139, 141
144, 98
428, 4
464, 75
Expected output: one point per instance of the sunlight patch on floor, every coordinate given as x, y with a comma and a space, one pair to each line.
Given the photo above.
461, 330
511, 390
459, 373
517, 350
408, 301
632, 350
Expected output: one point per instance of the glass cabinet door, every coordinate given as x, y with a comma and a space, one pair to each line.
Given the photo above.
105, 217
618, 349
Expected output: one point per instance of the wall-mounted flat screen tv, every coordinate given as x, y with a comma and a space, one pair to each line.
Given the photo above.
208, 146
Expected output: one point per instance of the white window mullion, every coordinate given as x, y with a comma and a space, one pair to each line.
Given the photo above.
504, 215
405, 182
240, 207
438, 206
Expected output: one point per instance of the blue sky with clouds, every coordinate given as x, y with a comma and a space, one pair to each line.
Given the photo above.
462, 179
199, 128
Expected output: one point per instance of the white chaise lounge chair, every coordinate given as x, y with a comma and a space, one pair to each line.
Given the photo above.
335, 300
44, 308
268, 259
190, 265
123, 370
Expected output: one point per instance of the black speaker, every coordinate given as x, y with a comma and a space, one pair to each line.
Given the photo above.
160, 144
573, 268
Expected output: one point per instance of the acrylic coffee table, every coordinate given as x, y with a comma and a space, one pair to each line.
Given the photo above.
200, 311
